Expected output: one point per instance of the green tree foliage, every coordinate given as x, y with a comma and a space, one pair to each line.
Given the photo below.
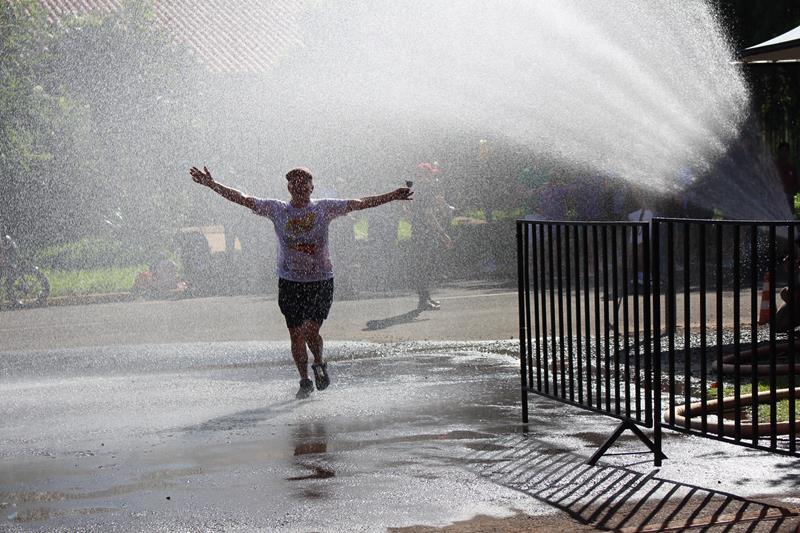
100, 112
137, 88
32, 116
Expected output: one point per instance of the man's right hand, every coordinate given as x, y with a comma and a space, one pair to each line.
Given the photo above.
203, 177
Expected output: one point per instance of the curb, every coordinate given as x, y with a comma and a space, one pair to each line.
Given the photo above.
177, 294
86, 299
111, 297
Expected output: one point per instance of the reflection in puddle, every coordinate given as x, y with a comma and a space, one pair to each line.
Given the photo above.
319, 472
311, 439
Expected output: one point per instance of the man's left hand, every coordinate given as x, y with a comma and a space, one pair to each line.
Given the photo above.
403, 193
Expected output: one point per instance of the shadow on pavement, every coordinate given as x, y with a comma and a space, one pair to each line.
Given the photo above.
616, 498
384, 323
243, 419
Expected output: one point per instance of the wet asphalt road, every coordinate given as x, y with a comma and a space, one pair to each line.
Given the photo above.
469, 312
200, 436
111, 430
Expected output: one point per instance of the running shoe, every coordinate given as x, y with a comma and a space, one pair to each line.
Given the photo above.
321, 375
305, 390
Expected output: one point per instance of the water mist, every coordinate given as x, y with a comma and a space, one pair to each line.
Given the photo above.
646, 91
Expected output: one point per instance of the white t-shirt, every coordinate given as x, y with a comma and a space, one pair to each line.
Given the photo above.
302, 236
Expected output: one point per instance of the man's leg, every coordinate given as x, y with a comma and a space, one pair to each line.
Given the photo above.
314, 342
423, 293
425, 300
299, 353
313, 339
424, 276
300, 356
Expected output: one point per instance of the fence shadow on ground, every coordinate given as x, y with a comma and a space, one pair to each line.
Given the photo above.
617, 498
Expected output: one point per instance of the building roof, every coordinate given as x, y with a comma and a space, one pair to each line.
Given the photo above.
783, 48
228, 36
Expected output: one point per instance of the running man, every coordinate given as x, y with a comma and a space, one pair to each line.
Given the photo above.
305, 272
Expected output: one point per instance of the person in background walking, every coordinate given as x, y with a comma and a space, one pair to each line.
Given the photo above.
786, 171
428, 235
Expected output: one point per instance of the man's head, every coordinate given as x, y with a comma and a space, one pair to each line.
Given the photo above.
299, 172
300, 183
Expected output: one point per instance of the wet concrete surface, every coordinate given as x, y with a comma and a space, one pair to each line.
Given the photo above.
225, 444
183, 436
208, 436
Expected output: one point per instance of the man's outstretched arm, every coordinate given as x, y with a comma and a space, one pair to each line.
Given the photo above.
403, 193
203, 177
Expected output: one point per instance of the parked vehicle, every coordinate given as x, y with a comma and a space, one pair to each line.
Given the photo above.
23, 284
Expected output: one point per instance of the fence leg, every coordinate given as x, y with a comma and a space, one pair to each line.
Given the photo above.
636, 431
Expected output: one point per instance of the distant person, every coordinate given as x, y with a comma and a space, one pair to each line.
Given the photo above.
305, 272
428, 235
382, 242
642, 214
158, 280
195, 255
166, 274
787, 317
787, 173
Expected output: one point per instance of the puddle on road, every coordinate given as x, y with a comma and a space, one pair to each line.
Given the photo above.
390, 429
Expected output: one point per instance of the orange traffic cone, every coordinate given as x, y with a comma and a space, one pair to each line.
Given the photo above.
763, 314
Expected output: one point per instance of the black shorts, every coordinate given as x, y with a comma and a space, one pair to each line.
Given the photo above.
300, 301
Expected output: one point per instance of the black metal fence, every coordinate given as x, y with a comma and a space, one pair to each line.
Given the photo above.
668, 323
585, 318
722, 334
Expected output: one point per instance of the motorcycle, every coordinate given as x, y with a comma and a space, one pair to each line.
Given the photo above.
23, 283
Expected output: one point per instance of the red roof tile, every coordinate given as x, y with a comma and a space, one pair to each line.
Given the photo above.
230, 36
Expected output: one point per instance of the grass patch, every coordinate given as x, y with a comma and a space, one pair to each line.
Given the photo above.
782, 414
403, 230
99, 280
361, 229
764, 407
88, 254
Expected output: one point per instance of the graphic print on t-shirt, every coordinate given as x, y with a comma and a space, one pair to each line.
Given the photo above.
302, 236
297, 227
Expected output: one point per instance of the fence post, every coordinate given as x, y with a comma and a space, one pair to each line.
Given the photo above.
653, 251
522, 288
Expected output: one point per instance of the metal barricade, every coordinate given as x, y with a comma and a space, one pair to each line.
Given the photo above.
585, 320
682, 324
723, 336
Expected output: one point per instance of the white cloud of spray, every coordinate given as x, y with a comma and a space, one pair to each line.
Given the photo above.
641, 90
